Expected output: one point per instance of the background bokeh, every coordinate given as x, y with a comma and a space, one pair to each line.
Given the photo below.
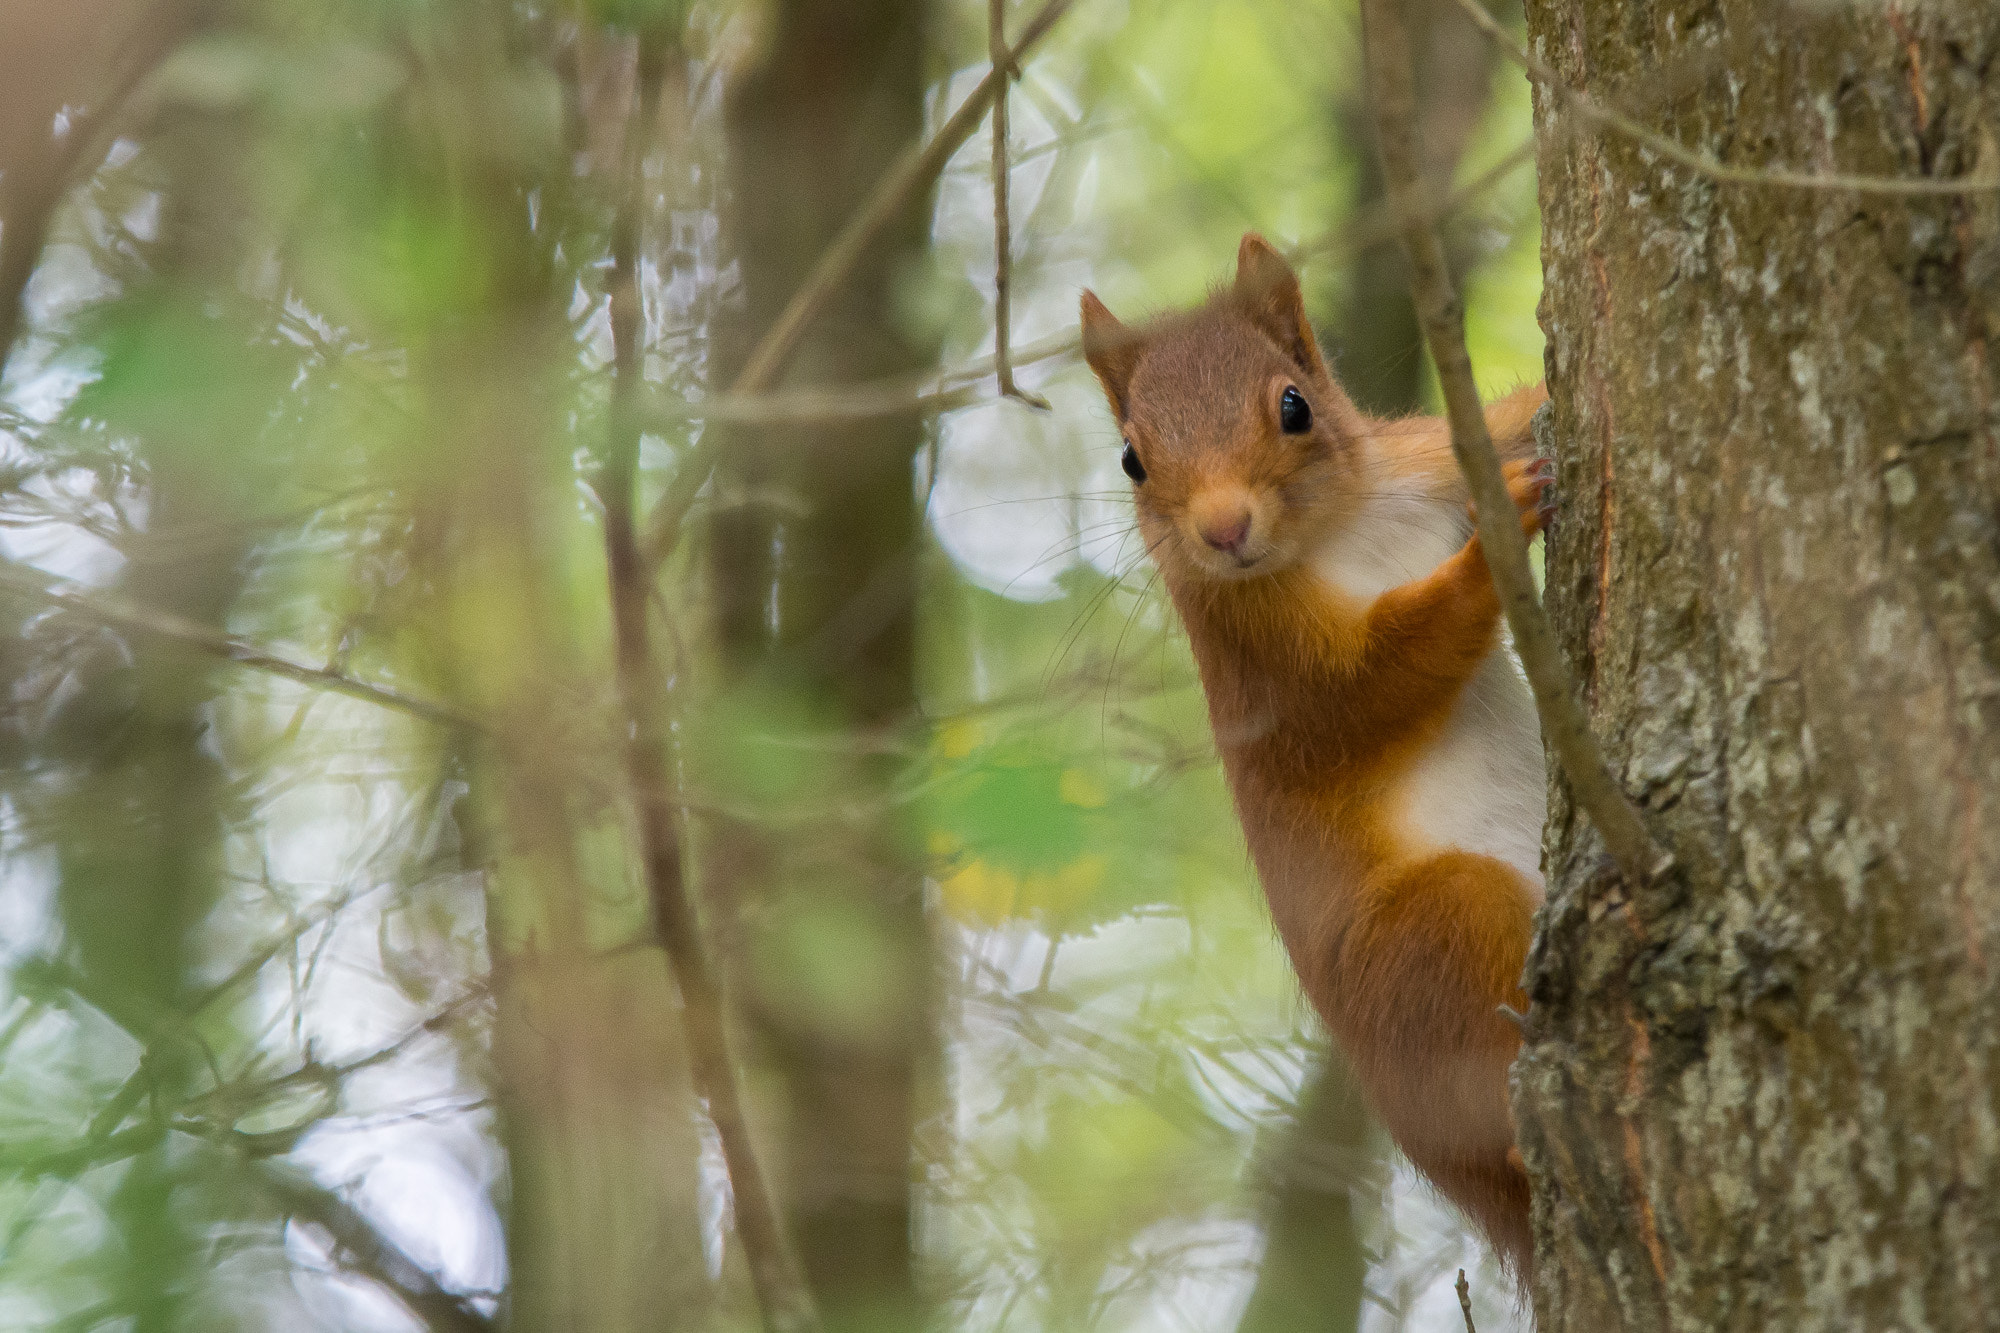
297, 984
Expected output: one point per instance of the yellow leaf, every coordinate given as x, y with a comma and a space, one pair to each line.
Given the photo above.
981, 892
959, 738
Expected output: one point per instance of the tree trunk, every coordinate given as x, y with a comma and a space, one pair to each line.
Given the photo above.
813, 555
1762, 1095
591, 1083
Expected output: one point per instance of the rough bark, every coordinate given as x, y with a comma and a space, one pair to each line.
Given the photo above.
1762, 1094
813, 564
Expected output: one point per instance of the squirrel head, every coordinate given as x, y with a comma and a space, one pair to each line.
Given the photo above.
1241, 447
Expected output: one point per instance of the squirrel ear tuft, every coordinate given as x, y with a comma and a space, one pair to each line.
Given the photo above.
1111, 349
1267, 291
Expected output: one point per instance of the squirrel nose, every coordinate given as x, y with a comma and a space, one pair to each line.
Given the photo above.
1227, 532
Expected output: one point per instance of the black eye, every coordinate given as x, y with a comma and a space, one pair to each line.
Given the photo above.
1295, 415
1130, 462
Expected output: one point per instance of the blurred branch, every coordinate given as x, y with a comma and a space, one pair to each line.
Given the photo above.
40, 78
781, 1288
68, 1163
1386, 43
359, 1246
111, 610
1003, 230
1597, 113
934, 391
918, 167
1381, 223
1465, 1301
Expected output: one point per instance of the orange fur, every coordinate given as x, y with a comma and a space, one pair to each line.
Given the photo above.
1323, 701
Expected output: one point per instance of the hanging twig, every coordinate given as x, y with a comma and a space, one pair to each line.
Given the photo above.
774, 1271
359, 1245
116, 612
1617, 820
1003, 229
1465, 1301
916, 169
1597, 113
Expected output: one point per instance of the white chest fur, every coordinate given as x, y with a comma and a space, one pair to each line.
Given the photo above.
1479, 786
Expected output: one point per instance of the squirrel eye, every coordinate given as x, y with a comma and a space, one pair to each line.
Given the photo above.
1295, 415
1130, 462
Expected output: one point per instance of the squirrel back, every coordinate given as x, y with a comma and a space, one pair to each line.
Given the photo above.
1381, 746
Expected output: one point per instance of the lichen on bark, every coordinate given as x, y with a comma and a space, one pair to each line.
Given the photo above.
1762, 1094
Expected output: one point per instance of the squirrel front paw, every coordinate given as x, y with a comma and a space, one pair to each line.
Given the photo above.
1531, 486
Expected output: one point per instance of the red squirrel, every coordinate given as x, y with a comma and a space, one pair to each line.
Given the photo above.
1381, 745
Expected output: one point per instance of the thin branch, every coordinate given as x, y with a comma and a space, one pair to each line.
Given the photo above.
114, 611
359, 1245
916, 169
1387, 45
780, 1285
1465, 1301
931, 391
1003, 228
1597, 113
1381, 222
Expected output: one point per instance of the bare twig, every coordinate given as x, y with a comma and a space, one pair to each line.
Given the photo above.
358, 1245
1386, 41
780, 1285
1003, 229
1599, 114
934, 391
1465, 1301
1381, 223
917, 168
112, 610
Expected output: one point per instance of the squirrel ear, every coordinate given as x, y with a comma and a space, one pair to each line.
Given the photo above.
1268, 292
1111, 349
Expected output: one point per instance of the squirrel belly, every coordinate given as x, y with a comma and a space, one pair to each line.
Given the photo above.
1478, 785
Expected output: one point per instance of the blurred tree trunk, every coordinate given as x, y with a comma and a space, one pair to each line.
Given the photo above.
596, 1112
1314, 1272
813, 558
1763, 1095
141, 816
1378, 349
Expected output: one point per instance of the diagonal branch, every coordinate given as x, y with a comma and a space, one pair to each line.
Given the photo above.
1387, 45
780, 1285
114, 611
1598, 114
357, 1244
917, 168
